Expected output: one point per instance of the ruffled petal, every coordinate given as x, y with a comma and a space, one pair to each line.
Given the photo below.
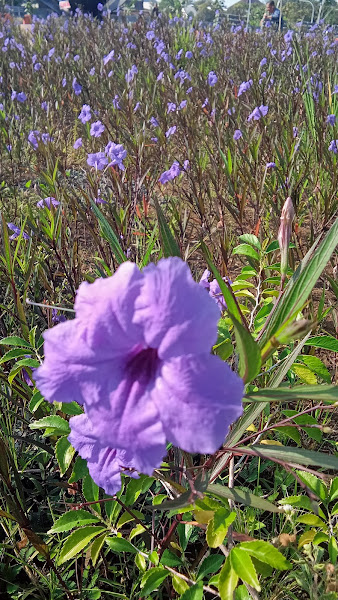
176, 314
198, 397
105, 309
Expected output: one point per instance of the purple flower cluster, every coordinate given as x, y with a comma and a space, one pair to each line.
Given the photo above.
34, 137
47, 202
137, 357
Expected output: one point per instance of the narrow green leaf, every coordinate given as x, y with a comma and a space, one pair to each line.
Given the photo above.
169, 244
319, 393
96, 548
294, 455
333, 550
249, 353
72, 519
11, 354
77, 541
314, 484
241, 497
109, 234
334, 489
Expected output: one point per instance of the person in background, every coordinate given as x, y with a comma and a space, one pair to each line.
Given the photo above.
271, 14
155, 11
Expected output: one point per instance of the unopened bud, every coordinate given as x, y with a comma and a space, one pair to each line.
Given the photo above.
284, 233
327, 430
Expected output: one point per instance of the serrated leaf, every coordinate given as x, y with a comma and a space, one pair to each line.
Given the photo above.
243, 566
180, 586
138, 529
266, 553
14, 340
152, 580
14, 353
77, 541
228, 580
306, 538
52, 422
119, 545
72, 519
35, 401
80, 470
96, 548
317, 366
304, 373
64, 453
71, 408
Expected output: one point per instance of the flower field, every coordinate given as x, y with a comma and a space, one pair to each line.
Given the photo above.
168, 326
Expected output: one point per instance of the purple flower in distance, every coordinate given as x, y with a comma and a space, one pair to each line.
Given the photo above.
170, 131
97, 160
137, 356
92, 71
188, 54
37, 66
169, 175
171, 107
108, 57
288, 36
238, 134
216, 294
44, 105
16, 232
260, 111
154, 122
331, 119
100, 7
96, 129
160, 76
117, 154
76, 87
263, 62
244, 87
85, 114
212, 79
333, 147
77, 144
295, 131
47, 202
270, 165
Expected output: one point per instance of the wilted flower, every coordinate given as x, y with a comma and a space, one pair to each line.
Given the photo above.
47, 202
137, 356
284, 233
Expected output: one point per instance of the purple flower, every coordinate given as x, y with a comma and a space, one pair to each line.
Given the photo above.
76, 87
270, 165
150, 35
131, 73
259, 112
34, 137
331, 119
171, 107
189, 90
212, 79
154, 122
244, 87
117, 154
204, 281
183, 104
137, 356
37, 66
92, 71
288, 36
108, 57
294, 131
216, 294
116, 102
335, 90
97, 160
96, 129
76, 57
137, 106
57, 318
17, 232
170, 131
169, 175
100, 7
333, 147
188, 54
44, 105
238, 134
46, 202
263, 62
77, 144
85, 114
205, 103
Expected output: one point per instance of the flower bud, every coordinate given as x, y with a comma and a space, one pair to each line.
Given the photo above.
284, 234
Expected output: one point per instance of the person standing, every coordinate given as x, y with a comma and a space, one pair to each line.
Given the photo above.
272, 14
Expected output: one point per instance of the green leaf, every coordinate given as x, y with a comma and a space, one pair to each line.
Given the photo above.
249, 353
314, 484
77, 541
241, 497
71, 408
32, 363
249, 238
301, 284
80, 470
304, 373
319, 393
109, 234
54, 422
293, 455
228, 580
218, 527
333, 550
334, 489
193, 593
91, 492
96, 548
312, 520
180, 586
64, 452
326, 342
246, 250
120, 545
152, 580
35, 401
11, 354
127, 517
243, 566
72, 519
317, 366
169, 244
211, 564
14, 340
266, 553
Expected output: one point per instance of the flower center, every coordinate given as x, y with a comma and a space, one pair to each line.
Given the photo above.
143, 365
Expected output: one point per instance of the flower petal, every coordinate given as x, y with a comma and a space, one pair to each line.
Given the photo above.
104, 311
198, 397
176, 314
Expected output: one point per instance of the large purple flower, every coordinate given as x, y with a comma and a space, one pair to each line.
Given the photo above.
137, 356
